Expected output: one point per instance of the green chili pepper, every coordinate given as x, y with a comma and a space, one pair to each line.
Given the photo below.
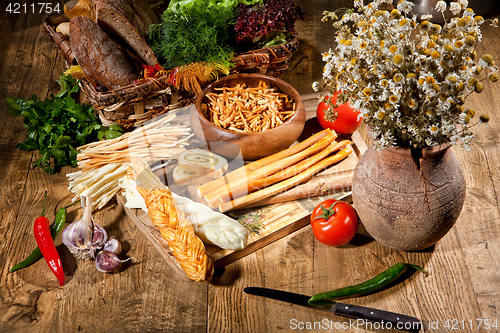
55, 230
378, 282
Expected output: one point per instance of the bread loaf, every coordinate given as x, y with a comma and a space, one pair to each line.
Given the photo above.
98, 56
137, 12
116, 18
143, 17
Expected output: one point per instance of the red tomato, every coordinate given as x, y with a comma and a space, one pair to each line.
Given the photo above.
347, 120
334, 222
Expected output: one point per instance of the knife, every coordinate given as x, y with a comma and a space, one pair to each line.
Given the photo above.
388, 319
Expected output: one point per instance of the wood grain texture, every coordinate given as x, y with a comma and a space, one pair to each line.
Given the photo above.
148, 296
21, 202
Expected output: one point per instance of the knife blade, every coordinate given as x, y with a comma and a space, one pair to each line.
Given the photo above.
389, 319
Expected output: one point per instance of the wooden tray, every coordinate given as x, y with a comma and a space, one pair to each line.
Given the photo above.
270, 222
267, 224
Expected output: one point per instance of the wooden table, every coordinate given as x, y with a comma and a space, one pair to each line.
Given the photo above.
463, 286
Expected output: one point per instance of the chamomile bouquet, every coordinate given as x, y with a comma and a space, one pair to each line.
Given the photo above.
409, 77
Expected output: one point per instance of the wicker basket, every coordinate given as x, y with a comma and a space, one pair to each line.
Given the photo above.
135, 104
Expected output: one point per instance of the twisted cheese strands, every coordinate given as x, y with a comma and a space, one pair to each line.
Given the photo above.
186, 247
178, 232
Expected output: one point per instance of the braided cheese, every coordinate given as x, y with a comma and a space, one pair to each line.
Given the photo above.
186, 247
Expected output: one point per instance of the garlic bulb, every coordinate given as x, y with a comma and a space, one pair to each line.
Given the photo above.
107, 261
84, 237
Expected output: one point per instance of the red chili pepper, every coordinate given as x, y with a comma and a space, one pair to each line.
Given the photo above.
46, 244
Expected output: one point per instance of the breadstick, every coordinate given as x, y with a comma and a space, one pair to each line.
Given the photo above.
240, 185
241, 172
296, 168
252, 185
286, 184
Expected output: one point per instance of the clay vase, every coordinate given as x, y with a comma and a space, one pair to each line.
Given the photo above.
408, 199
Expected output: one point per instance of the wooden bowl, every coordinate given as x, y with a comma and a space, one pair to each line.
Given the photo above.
252, 146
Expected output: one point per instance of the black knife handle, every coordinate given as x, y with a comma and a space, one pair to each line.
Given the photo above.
389, 319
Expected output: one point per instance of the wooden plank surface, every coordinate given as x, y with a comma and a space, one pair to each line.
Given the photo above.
148, 296
30, 300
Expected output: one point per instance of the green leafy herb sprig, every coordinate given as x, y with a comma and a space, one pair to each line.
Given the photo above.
57, 125
194, 33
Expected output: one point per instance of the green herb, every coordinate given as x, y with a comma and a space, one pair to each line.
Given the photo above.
276, 39
176, 5
195, 33
57, 125
68, 86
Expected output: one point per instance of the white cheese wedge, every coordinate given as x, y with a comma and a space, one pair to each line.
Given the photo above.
134, 199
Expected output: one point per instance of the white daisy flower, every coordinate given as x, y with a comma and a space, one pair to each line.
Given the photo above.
455, 8
463, 3
405, 6
440, 6
372, 64
327, 71
358, 3
468, 13
326, 56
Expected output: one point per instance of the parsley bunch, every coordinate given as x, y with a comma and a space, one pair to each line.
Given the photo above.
57, 125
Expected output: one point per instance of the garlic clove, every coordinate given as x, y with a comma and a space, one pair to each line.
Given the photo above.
99, 239
107, 261
113, 245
